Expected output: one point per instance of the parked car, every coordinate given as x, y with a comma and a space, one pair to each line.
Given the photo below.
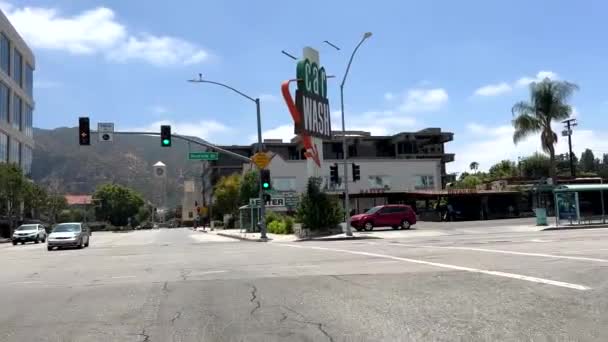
397, 216
29, 232
73, 234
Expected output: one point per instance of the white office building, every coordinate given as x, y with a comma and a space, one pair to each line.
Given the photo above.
17, 66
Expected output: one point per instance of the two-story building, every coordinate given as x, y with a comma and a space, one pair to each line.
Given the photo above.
391, 167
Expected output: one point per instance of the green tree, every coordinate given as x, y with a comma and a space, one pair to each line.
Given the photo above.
13, 188
588, 162
227, 195
536, 166
562, 164
474, 166
318, 211
470, 182
250, 187
548, 102
605, 159
503, 169
116, 203
35, 200
55, 204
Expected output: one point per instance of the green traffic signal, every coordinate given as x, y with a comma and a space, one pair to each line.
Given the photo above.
166, 142
265, 185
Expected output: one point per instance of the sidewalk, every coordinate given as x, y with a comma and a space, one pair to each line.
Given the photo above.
237, 234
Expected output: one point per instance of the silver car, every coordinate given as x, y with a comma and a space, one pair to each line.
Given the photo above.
29, 232
72, 234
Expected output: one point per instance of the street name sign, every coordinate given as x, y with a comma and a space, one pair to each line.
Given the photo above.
203, 156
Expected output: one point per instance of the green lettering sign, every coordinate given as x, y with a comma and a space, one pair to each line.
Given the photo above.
311, 78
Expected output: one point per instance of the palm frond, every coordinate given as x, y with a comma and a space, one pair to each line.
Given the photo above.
525, 125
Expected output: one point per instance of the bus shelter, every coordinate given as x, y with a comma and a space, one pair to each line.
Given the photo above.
580, 204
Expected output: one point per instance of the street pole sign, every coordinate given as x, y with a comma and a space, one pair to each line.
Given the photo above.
106, 131
203, 156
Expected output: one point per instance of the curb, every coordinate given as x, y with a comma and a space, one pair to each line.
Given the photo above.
341, 238
236, 237
576, 227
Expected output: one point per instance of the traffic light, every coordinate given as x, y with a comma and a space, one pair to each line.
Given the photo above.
356, 172
333, 173
266, 184
165, 136
84, 131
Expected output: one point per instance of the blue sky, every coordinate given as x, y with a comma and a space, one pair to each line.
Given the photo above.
458, 65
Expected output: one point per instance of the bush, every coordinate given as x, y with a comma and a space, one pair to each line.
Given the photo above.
277, 227
317, 211
272, 216
288, 224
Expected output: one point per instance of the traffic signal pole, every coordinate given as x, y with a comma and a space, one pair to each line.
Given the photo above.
262, 218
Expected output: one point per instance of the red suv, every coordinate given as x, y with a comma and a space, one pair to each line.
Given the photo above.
397, 216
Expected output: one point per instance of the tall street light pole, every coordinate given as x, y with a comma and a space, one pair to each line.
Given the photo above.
258, 149
349, 231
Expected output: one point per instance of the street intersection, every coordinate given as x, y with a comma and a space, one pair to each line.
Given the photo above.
181, 285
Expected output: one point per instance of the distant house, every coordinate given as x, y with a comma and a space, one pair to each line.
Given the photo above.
81, 201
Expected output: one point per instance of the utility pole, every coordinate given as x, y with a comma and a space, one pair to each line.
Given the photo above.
569, 124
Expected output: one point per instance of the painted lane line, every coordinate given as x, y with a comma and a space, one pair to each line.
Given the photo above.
306, 266
501, 251
124, 277
209, 272
454, 267
26, 282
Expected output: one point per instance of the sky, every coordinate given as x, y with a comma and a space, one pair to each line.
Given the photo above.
457, 65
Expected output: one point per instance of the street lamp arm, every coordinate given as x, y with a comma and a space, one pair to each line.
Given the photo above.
225, 86
350, 61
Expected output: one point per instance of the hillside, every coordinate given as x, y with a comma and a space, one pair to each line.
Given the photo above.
60, 162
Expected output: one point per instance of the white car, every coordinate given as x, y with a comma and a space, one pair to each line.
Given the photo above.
29, 232
73, 234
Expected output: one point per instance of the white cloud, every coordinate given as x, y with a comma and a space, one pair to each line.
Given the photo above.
284, 132
493, 89
158, 51
389, 96
97, 31
204, 129
541, 75
424, 100
504, 87
488, 145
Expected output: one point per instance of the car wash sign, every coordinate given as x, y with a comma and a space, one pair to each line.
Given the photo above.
311, 101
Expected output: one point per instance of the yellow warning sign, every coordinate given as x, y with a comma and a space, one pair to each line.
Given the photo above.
261, 159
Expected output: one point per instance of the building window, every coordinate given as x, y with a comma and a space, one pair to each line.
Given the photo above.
407, 147
425, 182
352, 150
29, 80
284, 183
26, 159
4, 102
18, 68
27, 120
5, 54
14, 148
3, 148
16, 117
379, 182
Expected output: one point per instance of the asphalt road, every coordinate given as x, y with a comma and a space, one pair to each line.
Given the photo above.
180, 285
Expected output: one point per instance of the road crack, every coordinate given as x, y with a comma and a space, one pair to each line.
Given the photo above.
177, 316
320, 326
144, 335
184, 274
254, 299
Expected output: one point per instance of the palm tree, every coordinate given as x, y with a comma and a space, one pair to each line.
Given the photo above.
474, 166
548, 103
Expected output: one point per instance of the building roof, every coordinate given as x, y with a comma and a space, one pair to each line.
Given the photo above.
78, 199
580, 187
